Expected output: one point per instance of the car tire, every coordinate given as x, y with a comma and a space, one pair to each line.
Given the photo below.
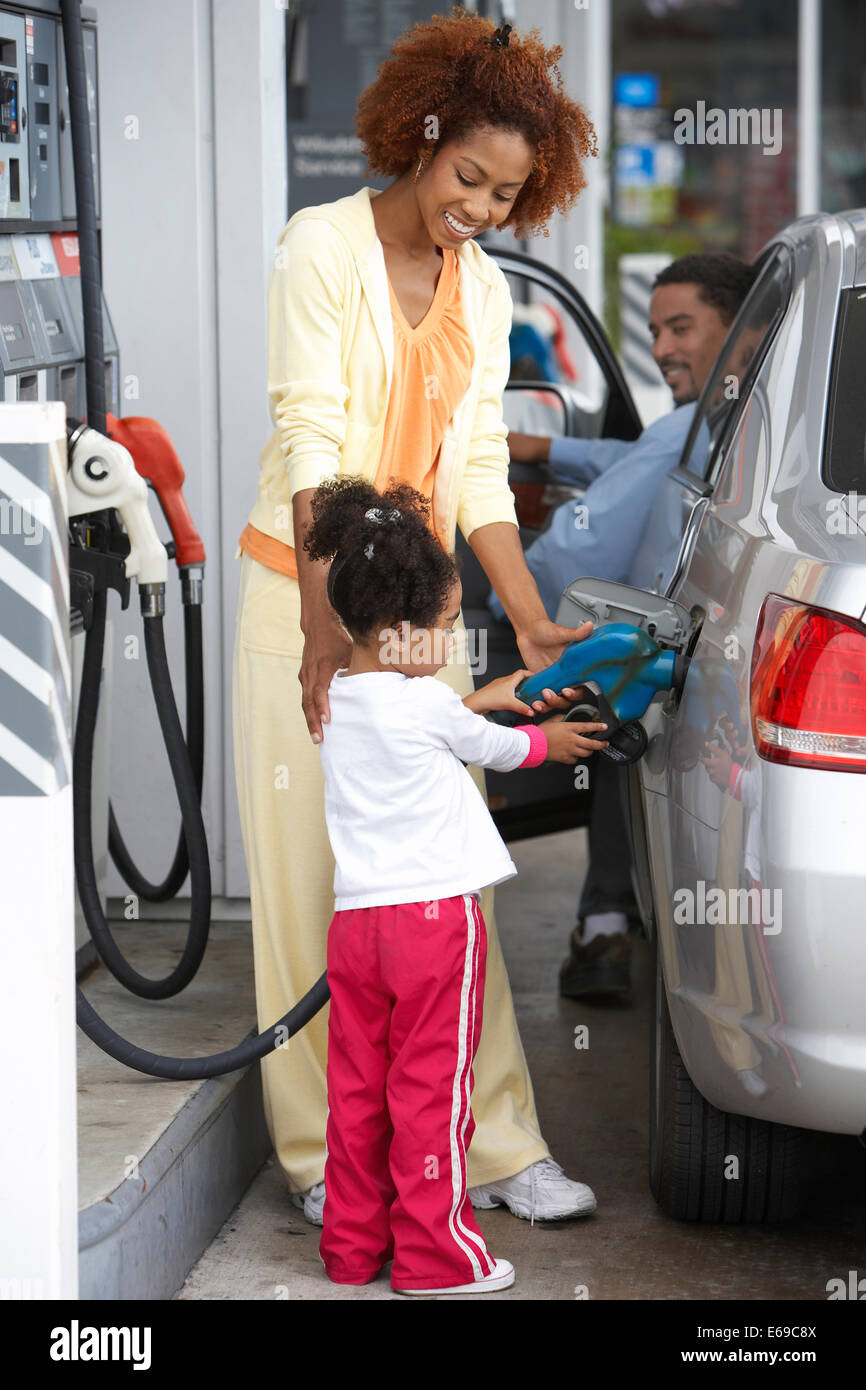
692, 1144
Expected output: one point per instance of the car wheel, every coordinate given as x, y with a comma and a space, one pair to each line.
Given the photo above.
706, 1164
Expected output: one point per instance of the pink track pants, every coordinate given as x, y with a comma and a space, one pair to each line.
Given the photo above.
407, 986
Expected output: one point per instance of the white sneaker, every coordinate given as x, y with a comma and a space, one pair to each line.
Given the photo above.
312, 1201
501, 1278
541, 1192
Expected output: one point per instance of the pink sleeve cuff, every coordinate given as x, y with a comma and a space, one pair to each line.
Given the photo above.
537, 745
734, 780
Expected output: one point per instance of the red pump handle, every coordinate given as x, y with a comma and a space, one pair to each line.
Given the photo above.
156, 459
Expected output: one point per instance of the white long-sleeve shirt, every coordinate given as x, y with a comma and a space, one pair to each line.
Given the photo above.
405, 819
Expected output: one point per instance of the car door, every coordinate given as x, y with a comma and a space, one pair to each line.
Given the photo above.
546, 798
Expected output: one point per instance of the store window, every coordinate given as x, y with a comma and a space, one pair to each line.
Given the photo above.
843, 105
704, 122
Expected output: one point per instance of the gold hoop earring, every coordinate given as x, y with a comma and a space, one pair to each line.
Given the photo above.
418, 170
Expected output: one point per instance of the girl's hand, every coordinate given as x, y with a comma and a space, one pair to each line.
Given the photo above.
567, 741
718, 762
499, 694
541, 644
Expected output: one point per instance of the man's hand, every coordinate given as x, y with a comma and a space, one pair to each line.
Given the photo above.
528, 448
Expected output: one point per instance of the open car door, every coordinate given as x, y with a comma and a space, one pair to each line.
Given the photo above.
542, 799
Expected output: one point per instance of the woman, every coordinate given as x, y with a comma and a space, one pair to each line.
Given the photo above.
388, 355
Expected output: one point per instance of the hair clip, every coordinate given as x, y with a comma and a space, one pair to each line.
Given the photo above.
500, 38
368, 550
376, 514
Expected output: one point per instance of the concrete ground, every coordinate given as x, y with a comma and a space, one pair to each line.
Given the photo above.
593, 1108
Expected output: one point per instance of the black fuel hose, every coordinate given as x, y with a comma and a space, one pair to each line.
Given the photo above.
85, 214
124, 863
184, 781
201, 1068
151, 1063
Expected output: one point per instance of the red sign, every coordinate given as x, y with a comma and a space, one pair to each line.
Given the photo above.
66, 250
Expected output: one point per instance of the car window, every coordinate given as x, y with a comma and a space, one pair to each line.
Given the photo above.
844, 464
727, 389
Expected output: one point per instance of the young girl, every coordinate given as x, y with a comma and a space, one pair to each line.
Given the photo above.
414, 843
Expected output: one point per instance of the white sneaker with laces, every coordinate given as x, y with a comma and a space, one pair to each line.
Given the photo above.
312, 1201
501, 1278
540, 1192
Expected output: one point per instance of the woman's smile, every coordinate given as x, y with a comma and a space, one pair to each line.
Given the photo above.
461, 230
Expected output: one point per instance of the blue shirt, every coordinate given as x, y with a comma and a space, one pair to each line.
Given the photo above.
608, 532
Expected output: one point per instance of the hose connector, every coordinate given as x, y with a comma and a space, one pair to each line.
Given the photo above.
192, 584
152, 599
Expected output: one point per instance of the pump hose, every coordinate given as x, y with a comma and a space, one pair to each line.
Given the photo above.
151, 1063
200, 1068
82, 768
173, 881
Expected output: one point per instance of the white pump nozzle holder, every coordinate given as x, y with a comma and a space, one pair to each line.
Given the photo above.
102, 474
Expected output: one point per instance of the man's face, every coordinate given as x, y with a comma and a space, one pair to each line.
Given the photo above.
687, 336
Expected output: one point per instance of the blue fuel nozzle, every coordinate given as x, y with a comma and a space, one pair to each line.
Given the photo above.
622, 660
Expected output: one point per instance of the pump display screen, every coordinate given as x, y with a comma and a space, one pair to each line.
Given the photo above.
9, 107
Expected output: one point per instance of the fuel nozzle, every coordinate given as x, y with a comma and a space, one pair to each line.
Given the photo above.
157, 460
621, 668
101, 475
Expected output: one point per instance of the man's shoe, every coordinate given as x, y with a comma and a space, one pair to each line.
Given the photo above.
541, 1192
602, 966
501, 1278
312, 1201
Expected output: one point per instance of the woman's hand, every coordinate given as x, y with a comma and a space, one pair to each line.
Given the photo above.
326, 646
541, 644
326, 649
567, 741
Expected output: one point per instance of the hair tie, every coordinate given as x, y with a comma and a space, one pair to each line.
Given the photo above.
376, 514
500, 38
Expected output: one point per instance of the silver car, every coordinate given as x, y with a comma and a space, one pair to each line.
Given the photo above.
748, 808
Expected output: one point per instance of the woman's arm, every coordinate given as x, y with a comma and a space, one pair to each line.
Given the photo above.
486, 513
541, 641
326, 646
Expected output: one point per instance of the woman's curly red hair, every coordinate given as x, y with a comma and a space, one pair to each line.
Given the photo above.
447, 68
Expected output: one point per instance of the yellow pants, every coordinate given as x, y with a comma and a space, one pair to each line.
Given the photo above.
291, 872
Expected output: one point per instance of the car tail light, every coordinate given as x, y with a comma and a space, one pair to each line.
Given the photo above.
808, 687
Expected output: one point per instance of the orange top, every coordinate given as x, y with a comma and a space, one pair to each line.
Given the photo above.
432, 369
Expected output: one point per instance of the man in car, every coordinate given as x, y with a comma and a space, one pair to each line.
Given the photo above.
605, 534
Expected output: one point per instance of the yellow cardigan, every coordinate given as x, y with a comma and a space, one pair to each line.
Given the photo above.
330, 363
